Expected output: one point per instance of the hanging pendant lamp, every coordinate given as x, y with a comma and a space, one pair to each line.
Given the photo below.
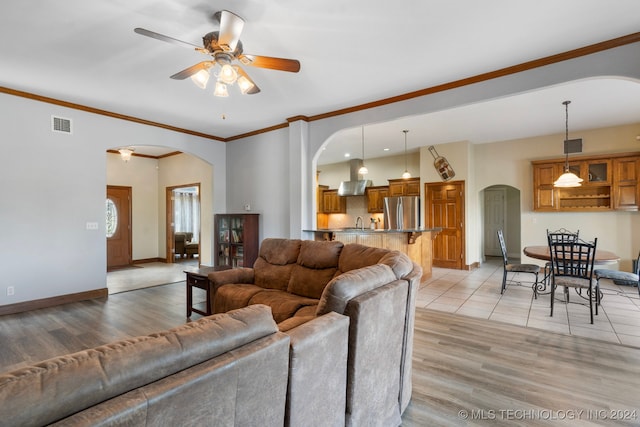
406, 174
363, 169
568, 178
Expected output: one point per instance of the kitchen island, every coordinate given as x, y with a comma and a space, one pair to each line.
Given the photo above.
416, 243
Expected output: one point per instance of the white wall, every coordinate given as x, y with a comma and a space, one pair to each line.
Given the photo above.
381, 170
260, 177
55, 183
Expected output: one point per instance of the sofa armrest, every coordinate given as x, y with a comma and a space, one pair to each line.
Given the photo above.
234, 275
318, 371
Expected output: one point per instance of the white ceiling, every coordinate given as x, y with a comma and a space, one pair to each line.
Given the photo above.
350, 52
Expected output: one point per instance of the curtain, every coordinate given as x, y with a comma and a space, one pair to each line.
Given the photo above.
186, 213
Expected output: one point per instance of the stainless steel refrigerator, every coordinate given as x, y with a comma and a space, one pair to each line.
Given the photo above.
402, 213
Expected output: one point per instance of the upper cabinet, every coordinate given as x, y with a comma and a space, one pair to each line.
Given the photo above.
333, 203
404, 187
610, 182
375, 198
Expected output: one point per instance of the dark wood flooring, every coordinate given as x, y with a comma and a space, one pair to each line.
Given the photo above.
467, 371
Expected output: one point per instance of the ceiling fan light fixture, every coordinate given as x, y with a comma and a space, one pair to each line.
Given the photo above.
228, 74
245, 84
201, 78
221, 90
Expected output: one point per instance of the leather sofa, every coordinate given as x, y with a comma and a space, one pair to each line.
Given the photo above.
225, 369
302, 280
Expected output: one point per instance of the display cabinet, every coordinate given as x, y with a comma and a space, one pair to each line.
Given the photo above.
610, 182
236, 239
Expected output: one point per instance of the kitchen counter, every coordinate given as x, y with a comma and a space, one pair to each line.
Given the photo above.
416, 243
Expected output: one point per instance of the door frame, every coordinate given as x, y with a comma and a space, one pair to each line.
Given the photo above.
169, 224
462, 259
130, 212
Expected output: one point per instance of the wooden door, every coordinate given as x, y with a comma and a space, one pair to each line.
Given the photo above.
445, 209
495, 209
118, 229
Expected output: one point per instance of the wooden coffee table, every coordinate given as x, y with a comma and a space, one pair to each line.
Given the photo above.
198, 277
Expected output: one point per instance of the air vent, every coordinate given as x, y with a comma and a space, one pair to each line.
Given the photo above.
60, 124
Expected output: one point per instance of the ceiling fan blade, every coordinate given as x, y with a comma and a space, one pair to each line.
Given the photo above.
282, 64
255, 89
230, 29
164, 38
188, 72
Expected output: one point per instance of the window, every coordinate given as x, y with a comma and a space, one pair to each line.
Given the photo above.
112, 218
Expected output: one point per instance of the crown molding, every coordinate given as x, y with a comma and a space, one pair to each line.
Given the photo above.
529, 65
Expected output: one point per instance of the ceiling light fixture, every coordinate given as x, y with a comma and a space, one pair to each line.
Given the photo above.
406, 174
227, 75
126, 153
363, 169
568, 178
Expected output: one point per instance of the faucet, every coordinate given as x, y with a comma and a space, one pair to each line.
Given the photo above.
359, 219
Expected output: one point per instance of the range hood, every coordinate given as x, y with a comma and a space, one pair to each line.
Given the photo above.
355, 186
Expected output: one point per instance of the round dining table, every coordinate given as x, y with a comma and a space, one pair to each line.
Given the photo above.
542, 252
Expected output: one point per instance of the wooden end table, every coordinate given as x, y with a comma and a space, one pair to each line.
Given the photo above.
199, 278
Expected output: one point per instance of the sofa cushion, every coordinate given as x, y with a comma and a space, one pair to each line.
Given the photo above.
400, 263
317, 264
283, 304
234, 296
355, 256
276, 259
351, 284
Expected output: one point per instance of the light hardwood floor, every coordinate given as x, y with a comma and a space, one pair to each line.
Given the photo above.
497, 373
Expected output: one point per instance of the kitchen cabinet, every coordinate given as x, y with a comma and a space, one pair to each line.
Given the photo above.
333, 203
610, 182
375, 198
236, 239
404, 187
625, 183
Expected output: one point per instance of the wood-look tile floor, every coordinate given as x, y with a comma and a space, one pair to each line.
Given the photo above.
477, 294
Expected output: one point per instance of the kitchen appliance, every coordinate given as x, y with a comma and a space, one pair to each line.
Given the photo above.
402, 213
356, 186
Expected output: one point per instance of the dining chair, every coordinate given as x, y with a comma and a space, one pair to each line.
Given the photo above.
618, 277
572, 267
561, 235
516, 268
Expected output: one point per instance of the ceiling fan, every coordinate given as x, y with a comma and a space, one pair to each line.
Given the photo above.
226, 48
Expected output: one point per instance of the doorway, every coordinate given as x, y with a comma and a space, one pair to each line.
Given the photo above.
445, 209
183, 219
501, 205
118, 227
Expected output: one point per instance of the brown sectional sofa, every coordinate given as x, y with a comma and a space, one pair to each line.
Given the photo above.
302, 280
341, 359
229, 369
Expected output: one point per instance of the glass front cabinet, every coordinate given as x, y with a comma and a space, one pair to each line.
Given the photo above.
610, 182
236, 239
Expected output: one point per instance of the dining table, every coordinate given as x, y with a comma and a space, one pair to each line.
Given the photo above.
543, 253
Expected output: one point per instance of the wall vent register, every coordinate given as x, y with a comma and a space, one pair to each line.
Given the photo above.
60, 124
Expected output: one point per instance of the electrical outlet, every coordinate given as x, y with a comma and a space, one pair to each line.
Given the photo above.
10, 291
247, 207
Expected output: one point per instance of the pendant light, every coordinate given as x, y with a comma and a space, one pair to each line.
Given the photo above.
363, 169
567, 179
406, 174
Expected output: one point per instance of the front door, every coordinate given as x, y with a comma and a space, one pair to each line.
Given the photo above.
118, 219
445, 209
